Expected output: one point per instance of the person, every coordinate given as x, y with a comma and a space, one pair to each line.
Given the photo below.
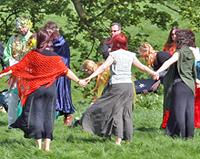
155, 59
36, 74
197, 89
89, 66
170, 45
105, 46
1, 56
111, 114
64, 104
17, 46
3, 101
181, 79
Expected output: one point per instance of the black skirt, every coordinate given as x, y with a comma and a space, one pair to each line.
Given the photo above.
37, 118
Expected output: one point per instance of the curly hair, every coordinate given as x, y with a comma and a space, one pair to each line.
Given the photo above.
185, 37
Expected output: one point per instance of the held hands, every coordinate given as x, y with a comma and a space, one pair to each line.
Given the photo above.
83, 82
156, 76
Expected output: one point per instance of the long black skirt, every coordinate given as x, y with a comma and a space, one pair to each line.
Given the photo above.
111, 114
36, 120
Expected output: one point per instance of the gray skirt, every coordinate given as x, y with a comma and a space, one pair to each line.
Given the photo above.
111, 114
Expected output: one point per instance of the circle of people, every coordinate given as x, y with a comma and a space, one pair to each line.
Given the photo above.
40, 75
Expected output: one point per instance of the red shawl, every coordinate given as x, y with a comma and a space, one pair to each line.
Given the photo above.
36, 70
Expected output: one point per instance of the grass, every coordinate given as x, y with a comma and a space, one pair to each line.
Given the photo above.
148, 142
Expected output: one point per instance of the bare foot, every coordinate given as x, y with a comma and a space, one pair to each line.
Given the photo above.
118, 141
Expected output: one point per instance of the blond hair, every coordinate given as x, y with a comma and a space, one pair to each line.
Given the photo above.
89, 64
147, 51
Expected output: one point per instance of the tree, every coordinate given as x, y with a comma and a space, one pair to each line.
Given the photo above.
87, 22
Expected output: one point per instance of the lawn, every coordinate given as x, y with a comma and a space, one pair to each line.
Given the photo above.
149, 141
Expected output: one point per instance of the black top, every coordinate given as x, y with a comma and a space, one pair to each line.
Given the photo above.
105, 46
161, 57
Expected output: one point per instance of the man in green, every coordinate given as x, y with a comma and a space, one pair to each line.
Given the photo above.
17, 46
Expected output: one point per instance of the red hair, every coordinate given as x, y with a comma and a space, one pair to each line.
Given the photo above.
119, 41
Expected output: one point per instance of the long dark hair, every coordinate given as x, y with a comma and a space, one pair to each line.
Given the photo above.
52, 27
169, 39
44, 40
185, 37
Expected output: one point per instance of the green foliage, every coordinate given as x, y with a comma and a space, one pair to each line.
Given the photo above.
150, 101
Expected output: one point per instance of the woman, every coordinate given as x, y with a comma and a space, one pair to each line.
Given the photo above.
102, 79
155, 59
197, 89
181, 80
64, 105
112, 112
36, 76
170, 45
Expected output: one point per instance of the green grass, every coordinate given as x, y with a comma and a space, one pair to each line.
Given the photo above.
148, 142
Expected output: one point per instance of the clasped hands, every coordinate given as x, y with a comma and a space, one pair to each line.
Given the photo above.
155, 76
84, 82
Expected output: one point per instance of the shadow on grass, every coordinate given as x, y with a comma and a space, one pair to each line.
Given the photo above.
3, 123
91, 139
154, 129
11, 142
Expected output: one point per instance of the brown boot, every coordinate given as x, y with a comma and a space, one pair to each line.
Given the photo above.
68, 119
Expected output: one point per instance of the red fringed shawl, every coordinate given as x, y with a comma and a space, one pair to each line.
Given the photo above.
36, 70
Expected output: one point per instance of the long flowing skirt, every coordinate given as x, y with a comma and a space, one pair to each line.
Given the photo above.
197, 108
36, 120
64, 103
111, 113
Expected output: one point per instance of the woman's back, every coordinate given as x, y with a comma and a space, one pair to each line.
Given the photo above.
121, 67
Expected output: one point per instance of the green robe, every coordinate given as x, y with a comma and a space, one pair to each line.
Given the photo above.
186, 70
22, 47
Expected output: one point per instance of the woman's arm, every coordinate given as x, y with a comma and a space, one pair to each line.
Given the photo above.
101, 68
5, 73
198, 83
168, 63
73, 77
142, 67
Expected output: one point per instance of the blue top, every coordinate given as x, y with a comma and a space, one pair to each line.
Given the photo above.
197, 63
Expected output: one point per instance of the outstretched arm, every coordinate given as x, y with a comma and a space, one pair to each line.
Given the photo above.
5, 73
101, 68
168, 63
198, 83
142, 67
73, 77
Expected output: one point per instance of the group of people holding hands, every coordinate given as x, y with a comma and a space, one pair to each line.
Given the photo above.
37, 76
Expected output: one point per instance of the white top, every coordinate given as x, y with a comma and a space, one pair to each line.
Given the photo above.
121, 67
